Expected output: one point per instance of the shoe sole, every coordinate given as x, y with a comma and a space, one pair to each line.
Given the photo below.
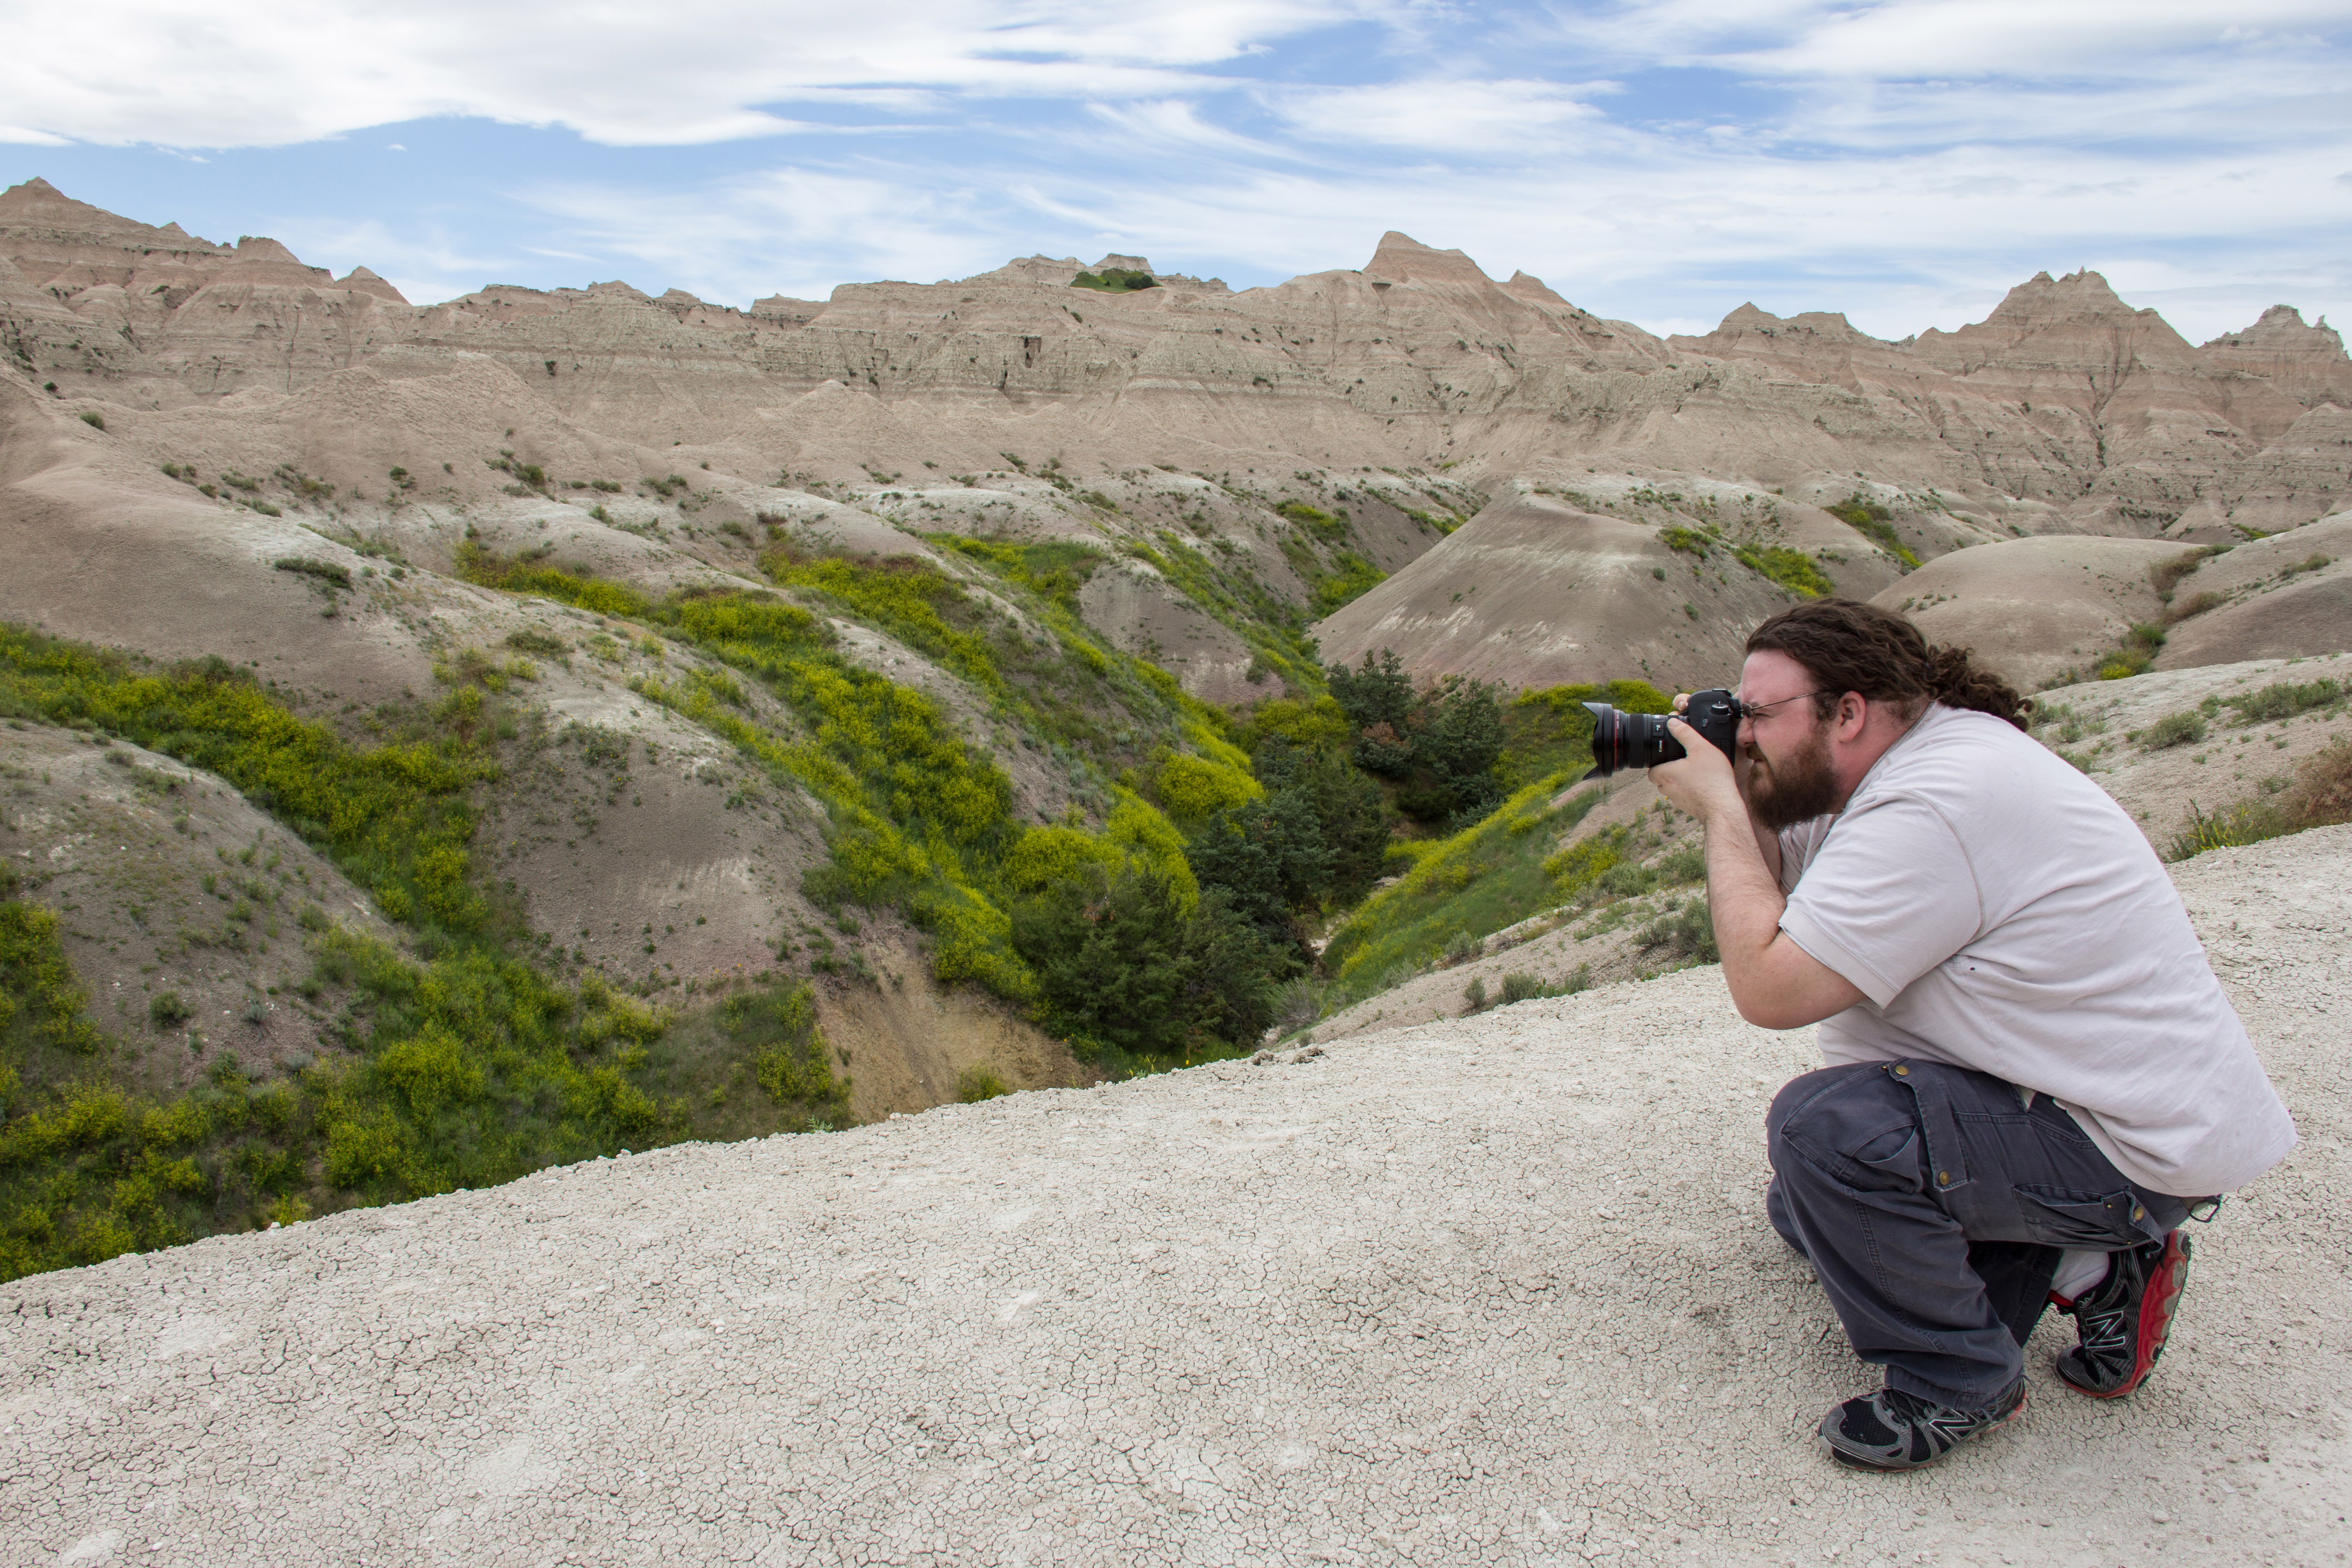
1853, 1462
2157, 1309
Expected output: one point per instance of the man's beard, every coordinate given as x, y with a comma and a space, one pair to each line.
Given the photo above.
1800, 787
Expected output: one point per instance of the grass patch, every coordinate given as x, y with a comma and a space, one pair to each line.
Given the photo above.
470, 1068
309, 566
1874, 523
2319, 796
396, 819
1794, 570
1351, 576
975, 1084
2185, 728
920, 821
2134, 655
1468, 885
2284, 699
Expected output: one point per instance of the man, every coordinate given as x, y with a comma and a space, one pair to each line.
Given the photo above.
2033, 1076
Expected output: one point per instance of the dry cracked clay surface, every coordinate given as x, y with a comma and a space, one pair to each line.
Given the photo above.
1490, 1291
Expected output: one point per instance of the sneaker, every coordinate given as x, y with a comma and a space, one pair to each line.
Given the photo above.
2123, 1319
1891, 1430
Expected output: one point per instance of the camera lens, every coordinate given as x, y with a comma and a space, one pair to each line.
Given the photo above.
1622, 740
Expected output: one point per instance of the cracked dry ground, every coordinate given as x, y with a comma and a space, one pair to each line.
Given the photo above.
1494, 1290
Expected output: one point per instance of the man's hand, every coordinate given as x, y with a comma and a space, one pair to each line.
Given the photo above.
1702, 783
1774, 983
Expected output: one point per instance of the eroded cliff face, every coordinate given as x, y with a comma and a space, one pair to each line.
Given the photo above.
2065, 406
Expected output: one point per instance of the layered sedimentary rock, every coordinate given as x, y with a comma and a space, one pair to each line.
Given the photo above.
2065, 406
2067, 411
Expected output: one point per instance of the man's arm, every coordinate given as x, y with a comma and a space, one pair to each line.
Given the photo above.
1774, 983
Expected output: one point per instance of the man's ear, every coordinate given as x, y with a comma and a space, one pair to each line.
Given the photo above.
1852, 716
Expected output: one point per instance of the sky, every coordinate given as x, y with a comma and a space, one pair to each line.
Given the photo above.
1906, 162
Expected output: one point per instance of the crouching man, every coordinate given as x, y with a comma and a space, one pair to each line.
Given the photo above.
2033, 1077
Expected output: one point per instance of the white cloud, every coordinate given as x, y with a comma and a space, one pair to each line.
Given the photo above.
1906, 161
276, 72
1442, 116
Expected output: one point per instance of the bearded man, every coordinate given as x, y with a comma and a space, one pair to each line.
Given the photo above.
2033, 1077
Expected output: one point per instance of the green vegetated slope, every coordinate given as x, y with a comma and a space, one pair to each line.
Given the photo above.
1155, 920
469, 1059
1501, 868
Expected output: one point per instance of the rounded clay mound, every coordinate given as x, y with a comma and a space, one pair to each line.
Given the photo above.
2287, 596
2032, 607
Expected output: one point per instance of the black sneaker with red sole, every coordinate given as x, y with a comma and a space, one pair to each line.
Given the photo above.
2122, 1321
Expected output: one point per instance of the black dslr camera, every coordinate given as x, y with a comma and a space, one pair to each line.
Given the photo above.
1640, 740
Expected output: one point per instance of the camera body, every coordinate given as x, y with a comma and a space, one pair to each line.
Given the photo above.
1640, 740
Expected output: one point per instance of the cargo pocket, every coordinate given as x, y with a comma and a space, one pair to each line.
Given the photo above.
1888, 1150
2060, 1217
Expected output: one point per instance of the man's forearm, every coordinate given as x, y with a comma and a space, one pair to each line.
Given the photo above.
1773, 982
1743, 893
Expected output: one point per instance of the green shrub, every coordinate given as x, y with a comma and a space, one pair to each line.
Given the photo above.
166, 1010
1686, 930
1122, 961
975, 1084
1475, 993
1520, 987
1685, 541
2284, 699
1115, 280
2135, 654
1323, 525
325, 571
2173, 730
93, 418
791, 1058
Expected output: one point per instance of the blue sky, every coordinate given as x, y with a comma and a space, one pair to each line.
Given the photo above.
1904, 161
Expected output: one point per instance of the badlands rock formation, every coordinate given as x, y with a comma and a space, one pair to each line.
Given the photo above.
2064, 412
1498, 1291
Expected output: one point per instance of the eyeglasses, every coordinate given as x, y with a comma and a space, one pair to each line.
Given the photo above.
1758, 710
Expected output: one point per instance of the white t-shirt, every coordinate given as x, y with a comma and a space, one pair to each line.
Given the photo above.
2001, 912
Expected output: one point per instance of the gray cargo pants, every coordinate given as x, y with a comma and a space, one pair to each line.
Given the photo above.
1934, 1204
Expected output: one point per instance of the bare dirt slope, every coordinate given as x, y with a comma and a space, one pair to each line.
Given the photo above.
1535, 592
171, 884
1495, 1290
2108, 728
2034, 608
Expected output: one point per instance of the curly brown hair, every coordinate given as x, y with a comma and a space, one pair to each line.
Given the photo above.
1847, 645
